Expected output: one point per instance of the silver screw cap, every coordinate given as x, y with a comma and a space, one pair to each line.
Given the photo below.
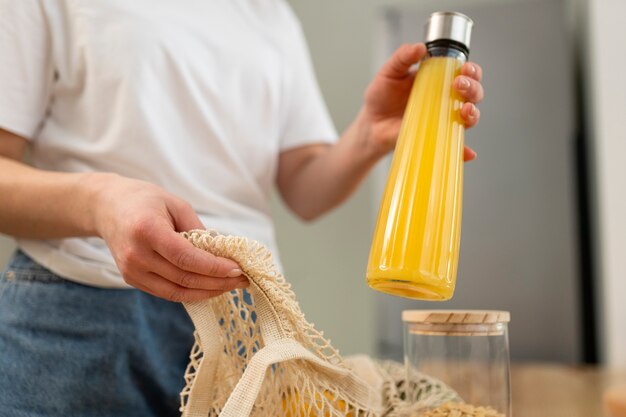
449, 25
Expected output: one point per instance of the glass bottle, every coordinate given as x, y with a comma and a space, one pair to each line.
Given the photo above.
415, 248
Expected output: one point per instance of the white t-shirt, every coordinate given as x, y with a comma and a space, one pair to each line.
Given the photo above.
197, 96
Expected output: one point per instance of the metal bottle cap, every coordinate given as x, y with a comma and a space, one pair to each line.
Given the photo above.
449, 25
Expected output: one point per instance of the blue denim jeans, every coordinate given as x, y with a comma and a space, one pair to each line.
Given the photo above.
68, 349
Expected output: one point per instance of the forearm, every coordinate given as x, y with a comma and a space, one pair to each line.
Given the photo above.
331, 176
41, 204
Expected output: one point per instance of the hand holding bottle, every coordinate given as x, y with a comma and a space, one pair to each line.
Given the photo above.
387, 95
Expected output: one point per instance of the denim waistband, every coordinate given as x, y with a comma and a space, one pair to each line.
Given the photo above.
23, 268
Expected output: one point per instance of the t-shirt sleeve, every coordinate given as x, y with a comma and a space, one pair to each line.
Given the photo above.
306, 118
26, 72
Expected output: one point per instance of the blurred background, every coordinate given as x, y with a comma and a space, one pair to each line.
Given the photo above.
544, 230
544, 234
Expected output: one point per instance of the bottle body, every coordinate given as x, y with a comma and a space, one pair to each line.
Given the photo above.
415, 248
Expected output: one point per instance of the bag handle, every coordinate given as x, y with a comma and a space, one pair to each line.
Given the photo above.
278, 347
207, 327
244, 395
204, 320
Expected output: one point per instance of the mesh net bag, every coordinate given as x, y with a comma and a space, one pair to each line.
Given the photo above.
255, 354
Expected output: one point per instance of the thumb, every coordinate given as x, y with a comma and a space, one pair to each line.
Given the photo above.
402, 59
183, 216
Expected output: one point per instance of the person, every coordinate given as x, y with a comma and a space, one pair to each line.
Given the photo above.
144, 119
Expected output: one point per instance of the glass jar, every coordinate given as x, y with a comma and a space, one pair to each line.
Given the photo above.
467, 352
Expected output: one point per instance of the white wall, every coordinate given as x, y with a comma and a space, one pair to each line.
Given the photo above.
607, 62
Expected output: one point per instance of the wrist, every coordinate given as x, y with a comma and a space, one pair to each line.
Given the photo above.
94, 188
364, 128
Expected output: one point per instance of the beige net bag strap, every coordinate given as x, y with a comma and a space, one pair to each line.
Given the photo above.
203, 371
263, 358
244, 395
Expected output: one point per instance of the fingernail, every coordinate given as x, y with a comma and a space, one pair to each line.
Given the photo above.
473, 111
463, 83
472, 69
243, 284
235, 273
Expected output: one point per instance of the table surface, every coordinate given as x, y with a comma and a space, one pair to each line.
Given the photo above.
548, 390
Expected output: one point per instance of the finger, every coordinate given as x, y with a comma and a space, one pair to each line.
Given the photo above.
470, 115
180, 252
165, 269
472, 70
470, 89
469, 154
162, 288
184, 216
402, 59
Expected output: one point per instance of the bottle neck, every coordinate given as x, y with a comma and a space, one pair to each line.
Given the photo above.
447, 48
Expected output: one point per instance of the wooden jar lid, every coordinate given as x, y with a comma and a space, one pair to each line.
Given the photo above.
456, 316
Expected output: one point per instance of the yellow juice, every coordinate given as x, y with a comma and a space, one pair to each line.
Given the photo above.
415, 248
